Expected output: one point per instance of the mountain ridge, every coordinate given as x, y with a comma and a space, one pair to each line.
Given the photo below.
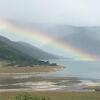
15, 57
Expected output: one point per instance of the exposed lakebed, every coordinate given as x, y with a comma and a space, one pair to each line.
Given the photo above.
60, 81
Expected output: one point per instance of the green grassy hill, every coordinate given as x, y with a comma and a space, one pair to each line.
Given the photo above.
15, 57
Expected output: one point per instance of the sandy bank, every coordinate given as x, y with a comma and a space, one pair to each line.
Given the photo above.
29, 70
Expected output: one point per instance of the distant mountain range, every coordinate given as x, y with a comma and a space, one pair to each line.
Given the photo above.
22, 54
86, 39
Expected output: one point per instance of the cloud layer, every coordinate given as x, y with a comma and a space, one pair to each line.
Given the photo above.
70, 12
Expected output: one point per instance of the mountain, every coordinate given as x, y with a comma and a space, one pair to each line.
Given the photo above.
86, 39
34, 51
29, 49
84, 43
9, 52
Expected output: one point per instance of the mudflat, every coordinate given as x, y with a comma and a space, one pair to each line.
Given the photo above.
35, 68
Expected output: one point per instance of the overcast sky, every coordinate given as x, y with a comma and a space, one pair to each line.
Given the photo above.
70, 12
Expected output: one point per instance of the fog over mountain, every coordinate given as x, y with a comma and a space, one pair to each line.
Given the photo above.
74, 22
28, 49
86, 39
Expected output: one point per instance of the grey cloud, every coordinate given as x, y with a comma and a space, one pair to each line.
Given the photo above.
70, 12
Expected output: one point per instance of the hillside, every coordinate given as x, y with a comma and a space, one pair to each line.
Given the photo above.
86, 39
29, 49
14, 56
33, 51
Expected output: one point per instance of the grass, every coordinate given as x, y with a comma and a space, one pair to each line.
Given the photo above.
53, 95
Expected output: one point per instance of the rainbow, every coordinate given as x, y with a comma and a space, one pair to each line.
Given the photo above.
35, 35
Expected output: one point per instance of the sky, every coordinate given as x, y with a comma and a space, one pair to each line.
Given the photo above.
70, 12
56, 12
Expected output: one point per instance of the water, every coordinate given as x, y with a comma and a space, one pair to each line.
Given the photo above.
76, 76
81, 69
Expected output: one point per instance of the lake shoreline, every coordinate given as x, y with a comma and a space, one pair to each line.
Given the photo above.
38, 78
29, 70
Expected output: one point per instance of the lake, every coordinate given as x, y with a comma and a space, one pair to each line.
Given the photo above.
81, 69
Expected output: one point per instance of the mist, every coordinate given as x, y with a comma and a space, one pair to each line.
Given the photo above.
69, 12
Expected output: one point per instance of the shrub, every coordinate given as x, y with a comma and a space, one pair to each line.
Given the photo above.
23, 97
29, 97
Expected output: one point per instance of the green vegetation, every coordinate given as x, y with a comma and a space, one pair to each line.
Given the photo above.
23, 97
15, 57
49, 96
22, 54
29, 97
